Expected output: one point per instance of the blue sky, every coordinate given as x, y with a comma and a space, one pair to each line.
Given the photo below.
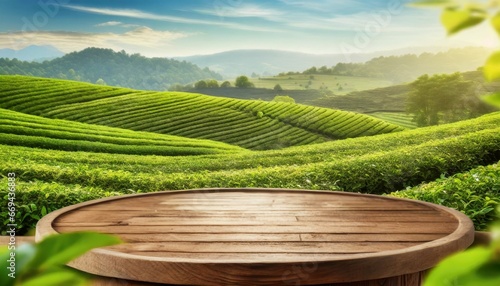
168, 28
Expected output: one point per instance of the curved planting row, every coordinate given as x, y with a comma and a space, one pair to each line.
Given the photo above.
20, 129
398, 118
246, 123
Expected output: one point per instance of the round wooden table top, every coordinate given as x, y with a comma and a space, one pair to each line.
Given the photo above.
262, 236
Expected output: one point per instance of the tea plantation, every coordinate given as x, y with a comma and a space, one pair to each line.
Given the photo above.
247, 123
59, 162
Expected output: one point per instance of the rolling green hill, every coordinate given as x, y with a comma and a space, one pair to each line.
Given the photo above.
19, 129
61, 162
379, 164
247, 123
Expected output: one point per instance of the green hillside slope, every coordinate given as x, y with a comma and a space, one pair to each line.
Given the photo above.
377, 164
246, 123
20, 129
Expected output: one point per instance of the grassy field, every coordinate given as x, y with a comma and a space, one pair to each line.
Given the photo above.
337, 84
247, 123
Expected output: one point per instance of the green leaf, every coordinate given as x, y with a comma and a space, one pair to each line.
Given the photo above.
455, 20
23, 255
495, 22
451, 269
57, 277
493, 99
60, 249
491, 69
44, 211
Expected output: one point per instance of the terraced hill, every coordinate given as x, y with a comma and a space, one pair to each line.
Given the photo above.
378, 164
246, 123
20, 129
398, 118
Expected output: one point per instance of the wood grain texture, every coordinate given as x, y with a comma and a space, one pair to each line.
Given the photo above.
264, 237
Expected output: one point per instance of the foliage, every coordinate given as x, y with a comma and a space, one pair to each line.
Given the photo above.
32, 131
378, 164
200, 84
407, 67
210, 83
36, 199
283, 98
476, 266
44, 263
399, 118
460, 15
115, 68
476, 193
100, 82
182, 114
225, 84
243, 82
442, 99
277, 87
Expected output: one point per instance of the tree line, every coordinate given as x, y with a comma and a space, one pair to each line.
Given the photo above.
104, 66
445, 98
405, 67
240, 82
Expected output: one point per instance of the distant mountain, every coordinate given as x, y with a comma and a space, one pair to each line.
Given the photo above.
32, 53
271, 62
104, 66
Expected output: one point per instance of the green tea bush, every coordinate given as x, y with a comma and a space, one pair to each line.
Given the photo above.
35, 199
183, 114
476, 193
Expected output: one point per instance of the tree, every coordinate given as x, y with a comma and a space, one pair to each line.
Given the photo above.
100, 82
201, 84
243, 82
312, 70
278, 87
225, 84
461, 15
441, 98
212, 83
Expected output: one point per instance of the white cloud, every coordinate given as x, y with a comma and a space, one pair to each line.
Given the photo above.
139, 39
242, 11
173, 19
116, 24
324, 5
111, 23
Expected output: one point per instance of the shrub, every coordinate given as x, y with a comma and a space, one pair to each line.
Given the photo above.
243, 82
476, 193
36, 199
283, 98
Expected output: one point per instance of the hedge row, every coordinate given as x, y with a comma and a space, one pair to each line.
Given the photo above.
18, 129
476, 193
187, 114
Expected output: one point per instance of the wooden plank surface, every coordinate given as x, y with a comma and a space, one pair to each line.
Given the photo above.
238, 236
